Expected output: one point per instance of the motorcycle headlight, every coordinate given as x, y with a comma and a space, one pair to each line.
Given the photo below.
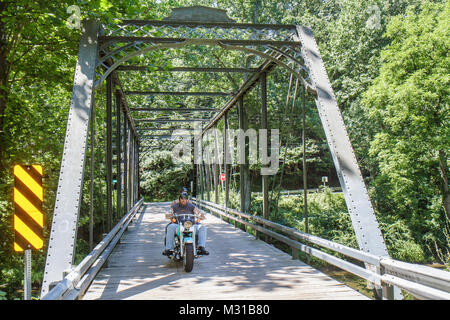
187, 224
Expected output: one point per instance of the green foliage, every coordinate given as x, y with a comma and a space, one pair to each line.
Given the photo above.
82, 249
328, 218
409, 103
327, 215
38, 52
400, 242
162, 178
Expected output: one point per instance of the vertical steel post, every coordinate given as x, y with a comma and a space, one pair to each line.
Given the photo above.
131, 172
134, 170
202, 188
194, 168
216, 182
118, 156
138, 179
211, 168
242, 149
225, 162
91, 200
133, 199
265, 184
199, 186
216, 167
305, 172
125, 165
207, 171
243, 164
27, 275
211, 174
205, 187
130, 191
109, 208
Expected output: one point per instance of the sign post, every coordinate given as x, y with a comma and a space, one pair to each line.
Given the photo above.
324, 180
28, 216
223, 177
27, 275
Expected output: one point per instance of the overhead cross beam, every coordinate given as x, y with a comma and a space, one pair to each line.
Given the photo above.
178, 93
184, 69
176, 109
169, 120
124, 39
161, 129
165, 136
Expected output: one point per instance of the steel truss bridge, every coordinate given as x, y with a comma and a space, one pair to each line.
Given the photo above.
127, 261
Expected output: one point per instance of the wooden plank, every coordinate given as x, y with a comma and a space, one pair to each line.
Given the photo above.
238, 267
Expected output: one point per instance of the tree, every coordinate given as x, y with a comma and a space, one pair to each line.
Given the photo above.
38, 52
409, 102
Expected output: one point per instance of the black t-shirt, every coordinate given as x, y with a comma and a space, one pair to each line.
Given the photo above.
186, 209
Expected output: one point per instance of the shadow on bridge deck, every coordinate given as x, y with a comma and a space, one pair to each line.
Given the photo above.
238, 267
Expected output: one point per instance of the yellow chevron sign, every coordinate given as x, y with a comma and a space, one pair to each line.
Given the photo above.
28, 214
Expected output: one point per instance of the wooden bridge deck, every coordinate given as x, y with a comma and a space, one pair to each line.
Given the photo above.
238, 267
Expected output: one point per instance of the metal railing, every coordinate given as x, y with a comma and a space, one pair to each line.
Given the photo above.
300, 191
78, 280
420, 281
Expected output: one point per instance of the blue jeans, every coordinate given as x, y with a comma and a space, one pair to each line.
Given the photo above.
171, 230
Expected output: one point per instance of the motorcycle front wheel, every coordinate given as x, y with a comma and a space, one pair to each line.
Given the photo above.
188, 259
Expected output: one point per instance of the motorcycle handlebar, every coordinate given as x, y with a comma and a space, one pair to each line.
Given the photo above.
176, 216
186, 214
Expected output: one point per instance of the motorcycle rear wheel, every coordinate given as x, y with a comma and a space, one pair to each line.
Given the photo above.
188, 260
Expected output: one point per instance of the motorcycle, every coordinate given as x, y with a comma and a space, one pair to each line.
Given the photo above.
185, 240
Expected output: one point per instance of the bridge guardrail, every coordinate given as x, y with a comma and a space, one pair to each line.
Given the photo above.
421, 281
77, 281
300, 191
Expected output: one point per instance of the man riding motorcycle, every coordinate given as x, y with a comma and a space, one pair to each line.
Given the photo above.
183, 206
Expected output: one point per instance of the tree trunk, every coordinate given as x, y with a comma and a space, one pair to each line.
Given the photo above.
444, 174
257, 6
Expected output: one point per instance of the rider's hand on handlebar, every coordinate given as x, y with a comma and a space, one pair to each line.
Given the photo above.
200, 216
